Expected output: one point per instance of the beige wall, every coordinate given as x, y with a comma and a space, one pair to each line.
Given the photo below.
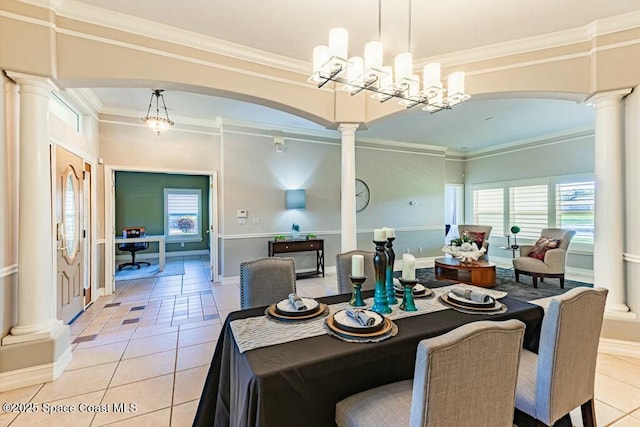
125, 59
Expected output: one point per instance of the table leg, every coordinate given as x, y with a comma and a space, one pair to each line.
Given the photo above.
161, 249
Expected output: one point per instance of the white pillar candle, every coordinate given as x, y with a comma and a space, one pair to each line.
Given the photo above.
408, 267
379, 235
357, 266
389, 232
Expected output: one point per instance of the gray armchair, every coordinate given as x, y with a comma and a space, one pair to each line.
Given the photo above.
486, 229
561, 376
343, 270
453, 374
554, 259
266, 280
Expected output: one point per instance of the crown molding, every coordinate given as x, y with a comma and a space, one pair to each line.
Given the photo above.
179, 120
75, 9
436, 150
84, 100
545, 41
528, 143
80, 11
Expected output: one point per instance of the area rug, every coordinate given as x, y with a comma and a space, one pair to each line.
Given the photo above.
171, 268
524, 291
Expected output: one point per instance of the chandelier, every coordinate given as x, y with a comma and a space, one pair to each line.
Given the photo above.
156, 123
355, 74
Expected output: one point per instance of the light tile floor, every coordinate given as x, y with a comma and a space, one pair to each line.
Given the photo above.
149, 345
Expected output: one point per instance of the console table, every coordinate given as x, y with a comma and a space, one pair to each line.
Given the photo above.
286, 246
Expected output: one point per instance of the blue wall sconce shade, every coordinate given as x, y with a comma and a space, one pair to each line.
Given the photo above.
296, 199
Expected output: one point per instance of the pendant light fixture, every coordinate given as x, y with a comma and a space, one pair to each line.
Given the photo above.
156, 123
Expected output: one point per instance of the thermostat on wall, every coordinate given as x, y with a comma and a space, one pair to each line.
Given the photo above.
241, 213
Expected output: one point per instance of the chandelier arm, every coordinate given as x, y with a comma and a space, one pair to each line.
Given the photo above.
165, 107
409, 48
150, 102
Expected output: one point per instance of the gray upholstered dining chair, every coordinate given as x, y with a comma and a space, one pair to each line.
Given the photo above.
486, 229
266, 280
561, 376
453, 374
552, 265
343, 270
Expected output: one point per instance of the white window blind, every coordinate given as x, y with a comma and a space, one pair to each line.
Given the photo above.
488, 209
574, 209
529, 209
182, 214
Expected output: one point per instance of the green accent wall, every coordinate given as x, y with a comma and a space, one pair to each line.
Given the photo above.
140, 202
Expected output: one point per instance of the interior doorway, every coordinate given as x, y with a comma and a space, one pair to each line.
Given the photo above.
152, 213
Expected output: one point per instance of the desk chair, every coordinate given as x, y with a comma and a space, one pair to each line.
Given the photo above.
129, 233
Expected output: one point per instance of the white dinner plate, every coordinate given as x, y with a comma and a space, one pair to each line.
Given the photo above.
285, 306
471, 303
348, 323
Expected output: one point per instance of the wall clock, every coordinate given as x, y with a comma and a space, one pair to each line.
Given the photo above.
362, 195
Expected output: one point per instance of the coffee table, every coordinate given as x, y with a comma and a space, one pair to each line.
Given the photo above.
479, 273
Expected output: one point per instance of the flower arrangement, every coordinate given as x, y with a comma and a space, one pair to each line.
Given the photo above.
185, 224
462, 240
464, 248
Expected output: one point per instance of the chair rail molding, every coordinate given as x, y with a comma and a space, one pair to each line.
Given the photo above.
8, 270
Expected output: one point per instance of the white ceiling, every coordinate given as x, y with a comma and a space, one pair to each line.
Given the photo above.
292, 28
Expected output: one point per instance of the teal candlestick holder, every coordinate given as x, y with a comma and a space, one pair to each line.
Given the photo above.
391, 258
380, 302
407, 303
356, 299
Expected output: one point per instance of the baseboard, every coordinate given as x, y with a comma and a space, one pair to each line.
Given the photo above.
619, 348
155, 255
35, 374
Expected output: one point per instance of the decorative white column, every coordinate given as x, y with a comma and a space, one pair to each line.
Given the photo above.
36, 287
349, 239
608, 247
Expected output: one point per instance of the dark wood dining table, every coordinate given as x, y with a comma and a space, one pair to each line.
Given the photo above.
298, 383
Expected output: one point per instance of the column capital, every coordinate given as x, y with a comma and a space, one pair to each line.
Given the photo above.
22, 79
348, 127
601, 98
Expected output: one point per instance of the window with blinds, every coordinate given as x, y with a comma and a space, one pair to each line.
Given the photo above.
488, 209
182, 214
529, 209
574, 209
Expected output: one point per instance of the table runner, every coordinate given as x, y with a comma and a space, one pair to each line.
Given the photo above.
256, 332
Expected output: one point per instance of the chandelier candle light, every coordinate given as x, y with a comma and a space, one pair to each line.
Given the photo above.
332, 63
